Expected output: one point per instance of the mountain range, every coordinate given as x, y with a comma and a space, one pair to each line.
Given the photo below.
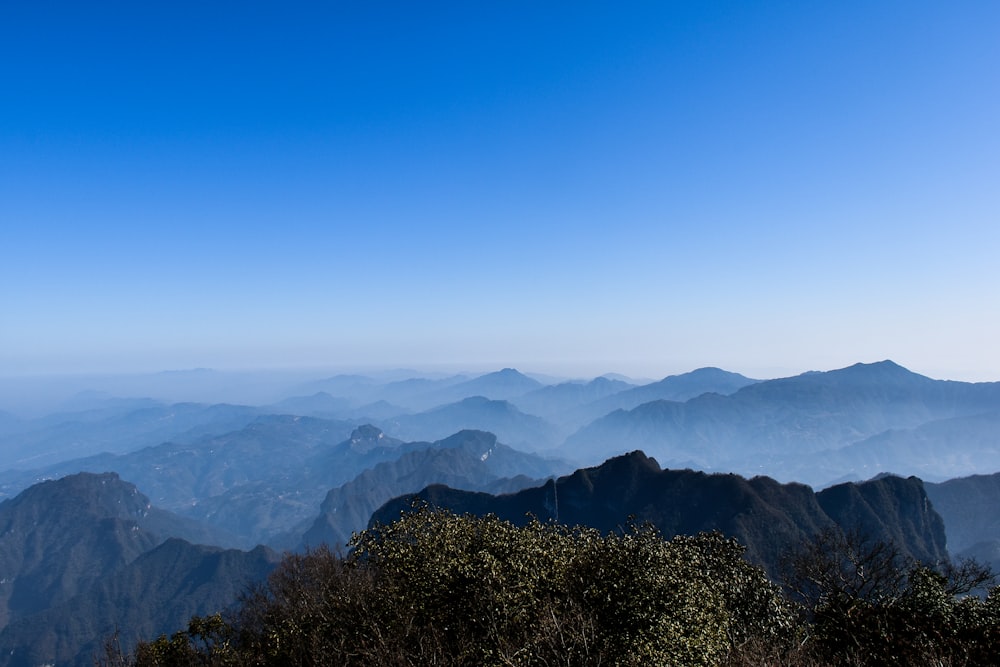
800, 428
764, 515
469, 460
82, 551
88, 555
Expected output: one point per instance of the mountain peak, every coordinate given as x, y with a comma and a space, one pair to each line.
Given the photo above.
366, 437
881, 371
367, 432
502, 384
85, 493
509, 375
468, 438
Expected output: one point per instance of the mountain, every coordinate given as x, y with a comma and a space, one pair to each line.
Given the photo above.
320, 404
766, 516
280, 458
969, 507
936, 451
500, 385
411, 393
892, 508
986, 552
423, 393
564, 404
419, 393
88, 553
274, 509
60, 536
521, 430
117, 427
264, 483
468, 459
343, 386
157, 593
674, 388
780, 426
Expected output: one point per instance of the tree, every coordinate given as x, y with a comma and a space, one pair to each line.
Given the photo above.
438, 588
865, 604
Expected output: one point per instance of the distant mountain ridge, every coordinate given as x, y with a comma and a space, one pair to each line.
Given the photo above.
118, 427
520, 430
779, 426
259, 479
681, 387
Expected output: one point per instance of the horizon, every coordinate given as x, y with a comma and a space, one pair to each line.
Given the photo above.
35, 395
573, 192
545, 372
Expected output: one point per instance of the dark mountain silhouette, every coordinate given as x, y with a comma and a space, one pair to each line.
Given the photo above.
468, 459
521, 430
780, 426
766, 516
889, 508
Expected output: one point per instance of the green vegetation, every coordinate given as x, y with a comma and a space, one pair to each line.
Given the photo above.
435, 588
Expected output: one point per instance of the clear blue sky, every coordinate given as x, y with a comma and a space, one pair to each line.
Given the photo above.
575, 187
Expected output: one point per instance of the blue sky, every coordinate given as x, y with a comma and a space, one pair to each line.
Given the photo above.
575, 188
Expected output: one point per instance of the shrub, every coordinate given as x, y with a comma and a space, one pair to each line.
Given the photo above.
438, 588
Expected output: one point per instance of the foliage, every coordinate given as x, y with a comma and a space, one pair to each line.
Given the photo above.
438, 588
867, 605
